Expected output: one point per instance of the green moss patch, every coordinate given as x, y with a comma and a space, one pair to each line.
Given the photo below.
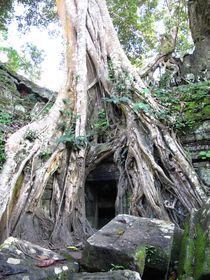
202, 257
186, 255
2, 151
194, 257
140, 257
185, 106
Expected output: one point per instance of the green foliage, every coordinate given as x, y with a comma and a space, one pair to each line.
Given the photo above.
165, 80
121, 80
68, 137
35, 13
101, 123
67, 126
66, 113
194, 257
140, 257
201, 246
116, 99
138, 24
48, 107
116, 267
29, 60
66, 101
30, 135
14, 59
184, 106
2, 151
72, 141
100, 127
45, 155
135, 26
5, 117
6, 9
175, 14
68, 118
140, 106
204, 155
144, 91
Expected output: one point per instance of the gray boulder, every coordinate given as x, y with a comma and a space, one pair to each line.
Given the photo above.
110, 275
26, 261
139, 244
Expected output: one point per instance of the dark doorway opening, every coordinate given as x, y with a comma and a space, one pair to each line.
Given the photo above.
101, 193
100, 202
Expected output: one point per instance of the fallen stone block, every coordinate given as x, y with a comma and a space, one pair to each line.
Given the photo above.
26, 261
139, 244
110, 275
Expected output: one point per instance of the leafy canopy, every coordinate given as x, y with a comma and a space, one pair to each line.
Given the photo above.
144, 27
39, 13
36, 13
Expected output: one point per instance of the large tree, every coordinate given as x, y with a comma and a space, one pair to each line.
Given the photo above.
102, 87
198, 63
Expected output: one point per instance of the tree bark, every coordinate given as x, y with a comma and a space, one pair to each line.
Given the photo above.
154, 170
198, 63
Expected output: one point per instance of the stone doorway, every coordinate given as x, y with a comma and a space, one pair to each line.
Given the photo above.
100, 202
101, 193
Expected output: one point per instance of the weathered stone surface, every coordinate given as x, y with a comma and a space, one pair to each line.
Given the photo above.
197, 142
195, 249
21, 102
24, 260
104, 172
25, 86
133, 243
110, 275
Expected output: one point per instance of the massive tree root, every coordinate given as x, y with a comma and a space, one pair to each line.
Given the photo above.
104, 110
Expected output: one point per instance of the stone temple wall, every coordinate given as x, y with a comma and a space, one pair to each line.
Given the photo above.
197, 144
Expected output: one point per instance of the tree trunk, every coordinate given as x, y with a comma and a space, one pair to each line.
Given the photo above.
198, 63
104, 110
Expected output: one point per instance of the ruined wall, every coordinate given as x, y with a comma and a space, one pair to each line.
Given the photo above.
21, 101
197, 144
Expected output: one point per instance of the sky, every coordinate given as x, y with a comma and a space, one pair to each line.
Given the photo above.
52, 76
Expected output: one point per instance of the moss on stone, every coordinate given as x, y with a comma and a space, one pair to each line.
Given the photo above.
67, 256
188, 105
194, 257
6, 82
2, 150
201, 247
186, 255
140, 257
61, 276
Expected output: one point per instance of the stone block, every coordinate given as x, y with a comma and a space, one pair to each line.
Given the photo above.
22, 260
134, 243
